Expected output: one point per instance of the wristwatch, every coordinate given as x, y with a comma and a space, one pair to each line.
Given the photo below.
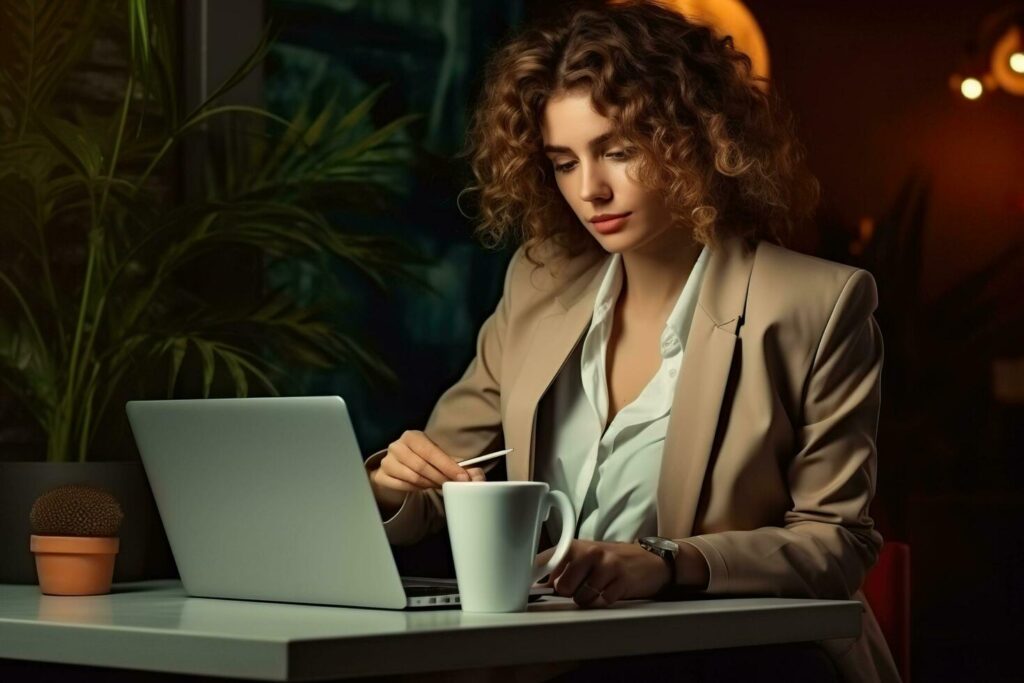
666, 549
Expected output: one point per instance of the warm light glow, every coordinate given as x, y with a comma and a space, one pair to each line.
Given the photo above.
1007, 61
729, 17
971, 88
1017, 62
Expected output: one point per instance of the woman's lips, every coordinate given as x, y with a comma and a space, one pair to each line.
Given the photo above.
612, 225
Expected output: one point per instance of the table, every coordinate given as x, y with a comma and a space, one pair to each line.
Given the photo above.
155, 626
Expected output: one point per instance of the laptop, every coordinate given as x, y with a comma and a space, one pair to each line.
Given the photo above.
268, 499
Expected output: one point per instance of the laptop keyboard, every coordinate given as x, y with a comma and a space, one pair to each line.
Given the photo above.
420, 591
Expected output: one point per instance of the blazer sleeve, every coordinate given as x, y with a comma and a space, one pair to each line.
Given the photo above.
828, 541
465, 422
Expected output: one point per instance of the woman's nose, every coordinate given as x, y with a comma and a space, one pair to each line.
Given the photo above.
594, 186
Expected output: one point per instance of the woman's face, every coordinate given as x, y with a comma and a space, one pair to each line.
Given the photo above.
590, 171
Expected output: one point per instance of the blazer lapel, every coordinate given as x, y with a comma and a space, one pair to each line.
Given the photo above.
701, 389
700, 392
554, 337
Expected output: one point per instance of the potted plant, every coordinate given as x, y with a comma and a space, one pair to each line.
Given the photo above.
97, 302
75, 540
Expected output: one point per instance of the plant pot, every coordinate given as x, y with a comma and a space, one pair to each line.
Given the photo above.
144, 553
74, 565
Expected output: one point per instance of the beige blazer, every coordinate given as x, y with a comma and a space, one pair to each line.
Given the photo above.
769, 460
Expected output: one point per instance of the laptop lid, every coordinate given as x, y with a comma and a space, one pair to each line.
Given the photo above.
267, 499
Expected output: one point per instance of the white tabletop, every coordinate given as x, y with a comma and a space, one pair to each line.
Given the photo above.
154, 626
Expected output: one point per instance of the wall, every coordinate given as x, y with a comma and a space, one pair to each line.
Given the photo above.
869, 84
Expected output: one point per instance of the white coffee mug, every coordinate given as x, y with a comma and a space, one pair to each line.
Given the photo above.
494, 527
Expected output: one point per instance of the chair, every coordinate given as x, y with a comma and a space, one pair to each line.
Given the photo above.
887, 589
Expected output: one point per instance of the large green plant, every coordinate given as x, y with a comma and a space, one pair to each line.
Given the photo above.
96, 242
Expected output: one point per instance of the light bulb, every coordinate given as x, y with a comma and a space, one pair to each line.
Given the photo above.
971, 88
1017, 62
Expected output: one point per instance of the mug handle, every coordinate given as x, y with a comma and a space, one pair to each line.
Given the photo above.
568, 516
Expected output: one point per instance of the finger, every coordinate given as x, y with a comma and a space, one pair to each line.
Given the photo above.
411, 459
395, 470
540, 560
575, 572
560, 567
544, 556
575, 549
587, 596
389, 482
430, 452
400, 472
603, 572
549, 580
476, 474
590, 592
614, 592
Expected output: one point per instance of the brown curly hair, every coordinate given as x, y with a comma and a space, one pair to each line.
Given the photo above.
711, 136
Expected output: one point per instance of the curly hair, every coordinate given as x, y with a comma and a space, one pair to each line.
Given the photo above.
711, 136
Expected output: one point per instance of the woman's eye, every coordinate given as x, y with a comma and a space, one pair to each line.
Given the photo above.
568, 166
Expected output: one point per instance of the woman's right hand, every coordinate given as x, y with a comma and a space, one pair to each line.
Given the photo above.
415, 463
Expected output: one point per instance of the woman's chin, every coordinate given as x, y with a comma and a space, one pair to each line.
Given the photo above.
626, 240
616, 242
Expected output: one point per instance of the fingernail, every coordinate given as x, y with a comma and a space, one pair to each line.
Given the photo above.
463, 477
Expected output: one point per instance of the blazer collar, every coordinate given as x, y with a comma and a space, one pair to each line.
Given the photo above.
723, 295
583, 288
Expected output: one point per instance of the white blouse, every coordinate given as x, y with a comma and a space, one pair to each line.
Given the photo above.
611, 478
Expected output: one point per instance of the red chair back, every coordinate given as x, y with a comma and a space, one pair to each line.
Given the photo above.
887, 589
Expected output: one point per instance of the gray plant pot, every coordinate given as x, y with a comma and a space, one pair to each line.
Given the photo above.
144, 553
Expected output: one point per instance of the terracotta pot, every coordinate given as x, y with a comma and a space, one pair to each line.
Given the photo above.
144, 552
74, 565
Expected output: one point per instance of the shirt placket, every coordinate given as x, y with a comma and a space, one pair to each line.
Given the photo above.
652, 404
593, 377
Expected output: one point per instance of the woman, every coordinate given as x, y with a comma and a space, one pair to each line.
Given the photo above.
655, 353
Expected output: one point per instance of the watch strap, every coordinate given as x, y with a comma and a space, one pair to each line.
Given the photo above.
670, 560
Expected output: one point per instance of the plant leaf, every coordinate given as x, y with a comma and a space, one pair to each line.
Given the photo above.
236, 372
74, 146
178, 347
209, 363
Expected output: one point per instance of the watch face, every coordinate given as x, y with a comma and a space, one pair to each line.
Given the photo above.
662, 544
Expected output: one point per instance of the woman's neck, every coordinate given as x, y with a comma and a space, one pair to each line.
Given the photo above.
654, 275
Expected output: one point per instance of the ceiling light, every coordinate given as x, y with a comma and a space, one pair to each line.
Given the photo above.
971, 88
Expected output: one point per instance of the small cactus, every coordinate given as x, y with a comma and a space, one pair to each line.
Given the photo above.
76, 510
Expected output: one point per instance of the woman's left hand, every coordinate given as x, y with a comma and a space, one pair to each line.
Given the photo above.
597, 573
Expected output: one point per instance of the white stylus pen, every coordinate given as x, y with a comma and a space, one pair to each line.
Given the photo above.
484, 457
